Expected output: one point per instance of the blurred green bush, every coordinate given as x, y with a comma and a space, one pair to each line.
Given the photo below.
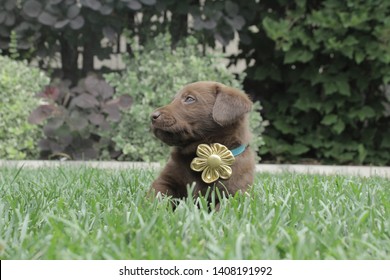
18, 85
77, 120
153, 75
320, 68
322, 71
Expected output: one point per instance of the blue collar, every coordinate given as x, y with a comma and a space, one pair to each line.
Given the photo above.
239, 150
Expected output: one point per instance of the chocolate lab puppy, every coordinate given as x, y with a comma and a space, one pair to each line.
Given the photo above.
207, 126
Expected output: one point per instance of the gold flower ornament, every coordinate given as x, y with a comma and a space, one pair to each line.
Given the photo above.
213, 161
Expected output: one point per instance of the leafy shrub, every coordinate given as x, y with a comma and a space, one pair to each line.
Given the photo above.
66, 29
322, 68
152, 76
18, 85
78, 119
70, 28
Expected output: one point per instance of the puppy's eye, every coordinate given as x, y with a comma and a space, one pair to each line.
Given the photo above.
189, 99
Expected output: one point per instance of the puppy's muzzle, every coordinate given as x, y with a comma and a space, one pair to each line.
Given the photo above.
161, 120
155, 115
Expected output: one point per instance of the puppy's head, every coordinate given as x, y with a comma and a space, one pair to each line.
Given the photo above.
197, 111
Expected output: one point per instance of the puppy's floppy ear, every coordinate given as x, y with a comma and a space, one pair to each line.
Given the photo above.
230, 104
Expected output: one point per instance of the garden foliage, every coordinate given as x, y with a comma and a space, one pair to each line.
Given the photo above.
322, 70
152, 77
77, 120
18, 85
76, 28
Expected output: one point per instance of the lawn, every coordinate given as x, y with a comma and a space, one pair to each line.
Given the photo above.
86, 213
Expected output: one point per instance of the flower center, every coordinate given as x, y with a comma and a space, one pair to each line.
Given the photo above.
214, 161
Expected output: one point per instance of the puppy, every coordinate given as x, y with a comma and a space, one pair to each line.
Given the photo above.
207, 125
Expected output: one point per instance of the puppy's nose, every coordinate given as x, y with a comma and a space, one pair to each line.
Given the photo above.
155, 115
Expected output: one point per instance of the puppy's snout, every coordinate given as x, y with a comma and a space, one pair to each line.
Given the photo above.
155, 115
162, 119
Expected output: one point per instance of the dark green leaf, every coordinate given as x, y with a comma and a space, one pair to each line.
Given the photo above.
46, 18
122, 102
297, 55
106, 9
301, 3
385, 144
343, 87
10, 19
61, 24
3, 15
134, 5
245, 39
104, 90
41, 113
359, 57
222, 39
148, 2
366, 113
91, 84
209, 24
329, 119
85, 101
276, 29
330, 88
109, 33
338, 127
77, 23
10, 5
362, 153
32, 8
93, 4
231, 8
283, 126
86, 152
113, 112
77, 121
125, 101
198, 23
261, 73
299, 149
73, 11
237, 22
52, 126
44, 144
96, 118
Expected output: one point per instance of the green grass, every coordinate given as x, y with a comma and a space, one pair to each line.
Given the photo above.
85, 213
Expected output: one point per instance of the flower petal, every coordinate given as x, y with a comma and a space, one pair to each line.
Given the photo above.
225, 171
198, 164
223, 152
218, 148
228, 155
209, 175
228, 160
204, 151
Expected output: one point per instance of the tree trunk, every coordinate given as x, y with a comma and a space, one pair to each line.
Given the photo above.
89, 49
178, 28
69, 56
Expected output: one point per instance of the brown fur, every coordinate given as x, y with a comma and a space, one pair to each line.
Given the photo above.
217, 114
